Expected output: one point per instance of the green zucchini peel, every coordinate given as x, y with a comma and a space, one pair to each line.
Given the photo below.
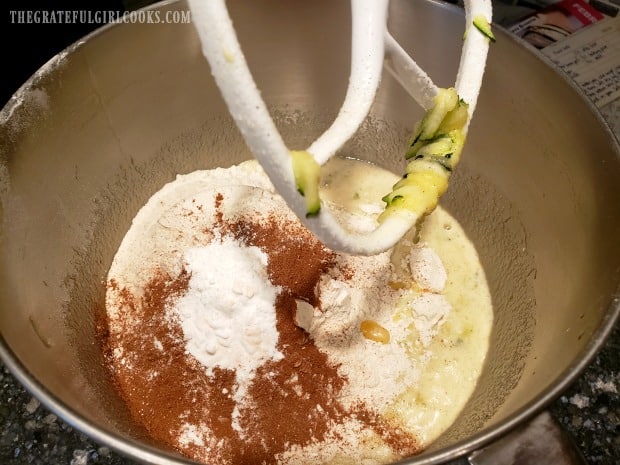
433, 152
482, 24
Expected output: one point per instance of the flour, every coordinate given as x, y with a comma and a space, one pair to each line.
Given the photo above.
350, 439
377, 373
191, 435
31, 99
216, 229
429, 311
228, 317
228, 313
427, 270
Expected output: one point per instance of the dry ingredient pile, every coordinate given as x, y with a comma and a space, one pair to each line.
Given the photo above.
236, 337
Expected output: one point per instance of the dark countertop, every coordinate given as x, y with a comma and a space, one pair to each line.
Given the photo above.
590, 408
30, 434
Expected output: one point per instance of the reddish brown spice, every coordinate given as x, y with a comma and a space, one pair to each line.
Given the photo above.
293, 401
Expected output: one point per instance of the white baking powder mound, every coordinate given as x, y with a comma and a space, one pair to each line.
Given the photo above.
228, 313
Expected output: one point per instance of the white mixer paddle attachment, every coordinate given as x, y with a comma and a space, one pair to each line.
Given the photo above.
435, 147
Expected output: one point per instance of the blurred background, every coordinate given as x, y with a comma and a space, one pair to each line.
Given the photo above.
27, 46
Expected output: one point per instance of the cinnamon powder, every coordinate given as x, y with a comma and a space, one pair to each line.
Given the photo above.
291, 402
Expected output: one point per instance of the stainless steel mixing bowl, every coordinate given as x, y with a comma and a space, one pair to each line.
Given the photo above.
105, 124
